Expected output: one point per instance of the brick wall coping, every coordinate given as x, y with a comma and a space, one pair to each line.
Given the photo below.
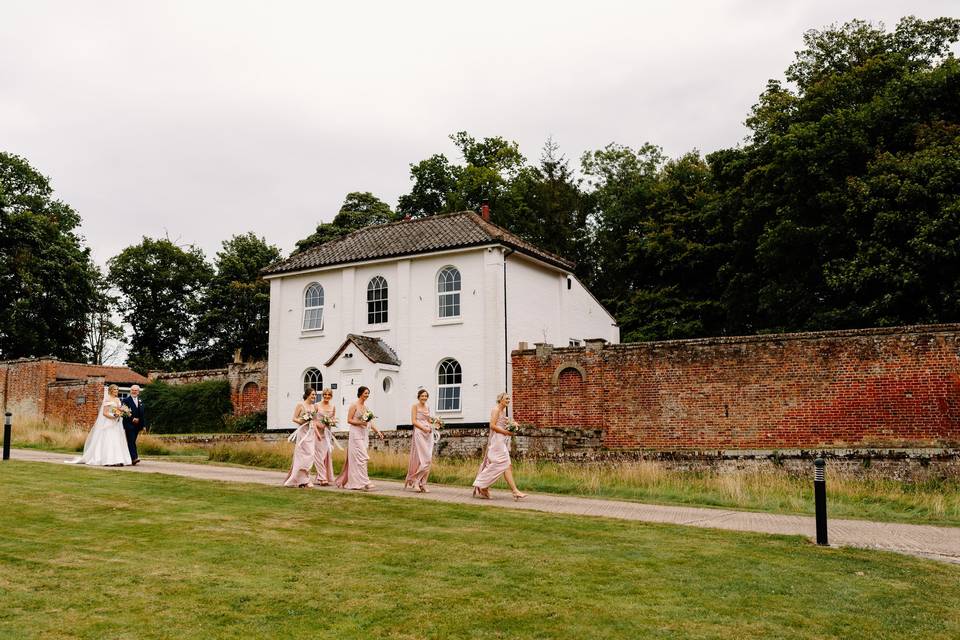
75, 382
153, 375
916, 329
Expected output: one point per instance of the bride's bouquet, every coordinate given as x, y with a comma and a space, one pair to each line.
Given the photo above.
123, 411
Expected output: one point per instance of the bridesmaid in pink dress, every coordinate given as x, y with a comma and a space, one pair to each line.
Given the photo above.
323, 459
496, 462
421, 445
304, 451
354, 472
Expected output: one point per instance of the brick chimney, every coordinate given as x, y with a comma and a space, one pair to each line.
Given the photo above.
485, 210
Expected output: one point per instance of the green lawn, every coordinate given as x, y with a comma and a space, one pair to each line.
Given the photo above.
94, 553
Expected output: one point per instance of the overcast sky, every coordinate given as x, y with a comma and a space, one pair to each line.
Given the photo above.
199, 120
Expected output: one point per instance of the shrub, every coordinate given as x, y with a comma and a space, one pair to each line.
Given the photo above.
249, 423
201, 407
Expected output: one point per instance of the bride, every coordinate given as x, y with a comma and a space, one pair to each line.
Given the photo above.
106, 445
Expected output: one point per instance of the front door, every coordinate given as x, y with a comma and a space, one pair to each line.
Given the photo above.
350, 381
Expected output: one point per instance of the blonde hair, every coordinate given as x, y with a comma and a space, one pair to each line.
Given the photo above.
501, 396
325, 391
112, 389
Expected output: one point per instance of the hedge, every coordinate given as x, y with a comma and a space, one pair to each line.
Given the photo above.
201, 407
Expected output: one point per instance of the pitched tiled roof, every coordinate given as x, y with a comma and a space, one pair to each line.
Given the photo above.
375, 349
79, 371
411, 237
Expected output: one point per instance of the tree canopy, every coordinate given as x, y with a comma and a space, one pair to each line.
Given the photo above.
48, 283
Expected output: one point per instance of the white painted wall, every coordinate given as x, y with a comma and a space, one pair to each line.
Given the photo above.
539, 305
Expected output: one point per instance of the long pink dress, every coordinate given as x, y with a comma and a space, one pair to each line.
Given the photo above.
303, 454
323, 455
354, 472
497, 460
421, 452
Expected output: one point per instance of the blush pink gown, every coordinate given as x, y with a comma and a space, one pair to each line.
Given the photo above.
497, 459
354, 472
323, 455
303, 454
421, 453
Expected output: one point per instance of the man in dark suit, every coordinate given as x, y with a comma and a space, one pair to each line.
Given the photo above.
135, 422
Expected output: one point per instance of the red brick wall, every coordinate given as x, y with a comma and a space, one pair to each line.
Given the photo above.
75, 401
890, 387
25, 386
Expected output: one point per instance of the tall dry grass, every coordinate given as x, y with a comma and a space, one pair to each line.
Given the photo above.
62, 436
765, 489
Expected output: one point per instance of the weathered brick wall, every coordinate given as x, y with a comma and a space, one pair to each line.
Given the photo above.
24, 385
248, 387
248, 383
187, 377
873, 387
75, 401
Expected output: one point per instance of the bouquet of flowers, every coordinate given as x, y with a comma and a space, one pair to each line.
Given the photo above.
512, 426
123, 411
307, 416
328, 421
436, 422
367, 416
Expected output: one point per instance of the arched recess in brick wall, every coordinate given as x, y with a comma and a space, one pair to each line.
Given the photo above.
568, 400
249, 397
564, 366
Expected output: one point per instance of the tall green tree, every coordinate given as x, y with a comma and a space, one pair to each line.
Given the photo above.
235, 305
160, 285
359, 209
47, 279
846, 196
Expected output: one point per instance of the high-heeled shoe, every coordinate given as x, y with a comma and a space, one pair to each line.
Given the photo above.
517, 496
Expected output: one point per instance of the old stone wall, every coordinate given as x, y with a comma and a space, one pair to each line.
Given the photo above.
23, 386
897, 387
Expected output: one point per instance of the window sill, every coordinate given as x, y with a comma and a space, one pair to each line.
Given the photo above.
444, 321
376, 329
311, 333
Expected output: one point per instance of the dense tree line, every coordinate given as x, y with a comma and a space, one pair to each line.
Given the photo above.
841, 209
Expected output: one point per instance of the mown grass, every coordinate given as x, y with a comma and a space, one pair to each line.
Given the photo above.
775, 491
93, 553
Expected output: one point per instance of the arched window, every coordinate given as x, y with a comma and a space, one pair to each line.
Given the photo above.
449, 382
313, 379
448, 293
377, 300
313, 307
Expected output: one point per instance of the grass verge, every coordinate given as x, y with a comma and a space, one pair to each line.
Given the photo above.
94, 553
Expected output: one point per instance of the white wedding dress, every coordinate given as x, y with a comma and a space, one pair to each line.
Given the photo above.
106, 443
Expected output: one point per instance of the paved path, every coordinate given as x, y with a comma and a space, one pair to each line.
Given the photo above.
938, 543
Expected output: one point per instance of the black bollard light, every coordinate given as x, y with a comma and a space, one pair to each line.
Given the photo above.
6, 436
820, 498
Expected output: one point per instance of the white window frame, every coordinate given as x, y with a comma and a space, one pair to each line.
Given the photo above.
313, 379
454, 294
317, 288
446, 369
371, 303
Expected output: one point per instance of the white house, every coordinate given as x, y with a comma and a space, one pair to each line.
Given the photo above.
435, 303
